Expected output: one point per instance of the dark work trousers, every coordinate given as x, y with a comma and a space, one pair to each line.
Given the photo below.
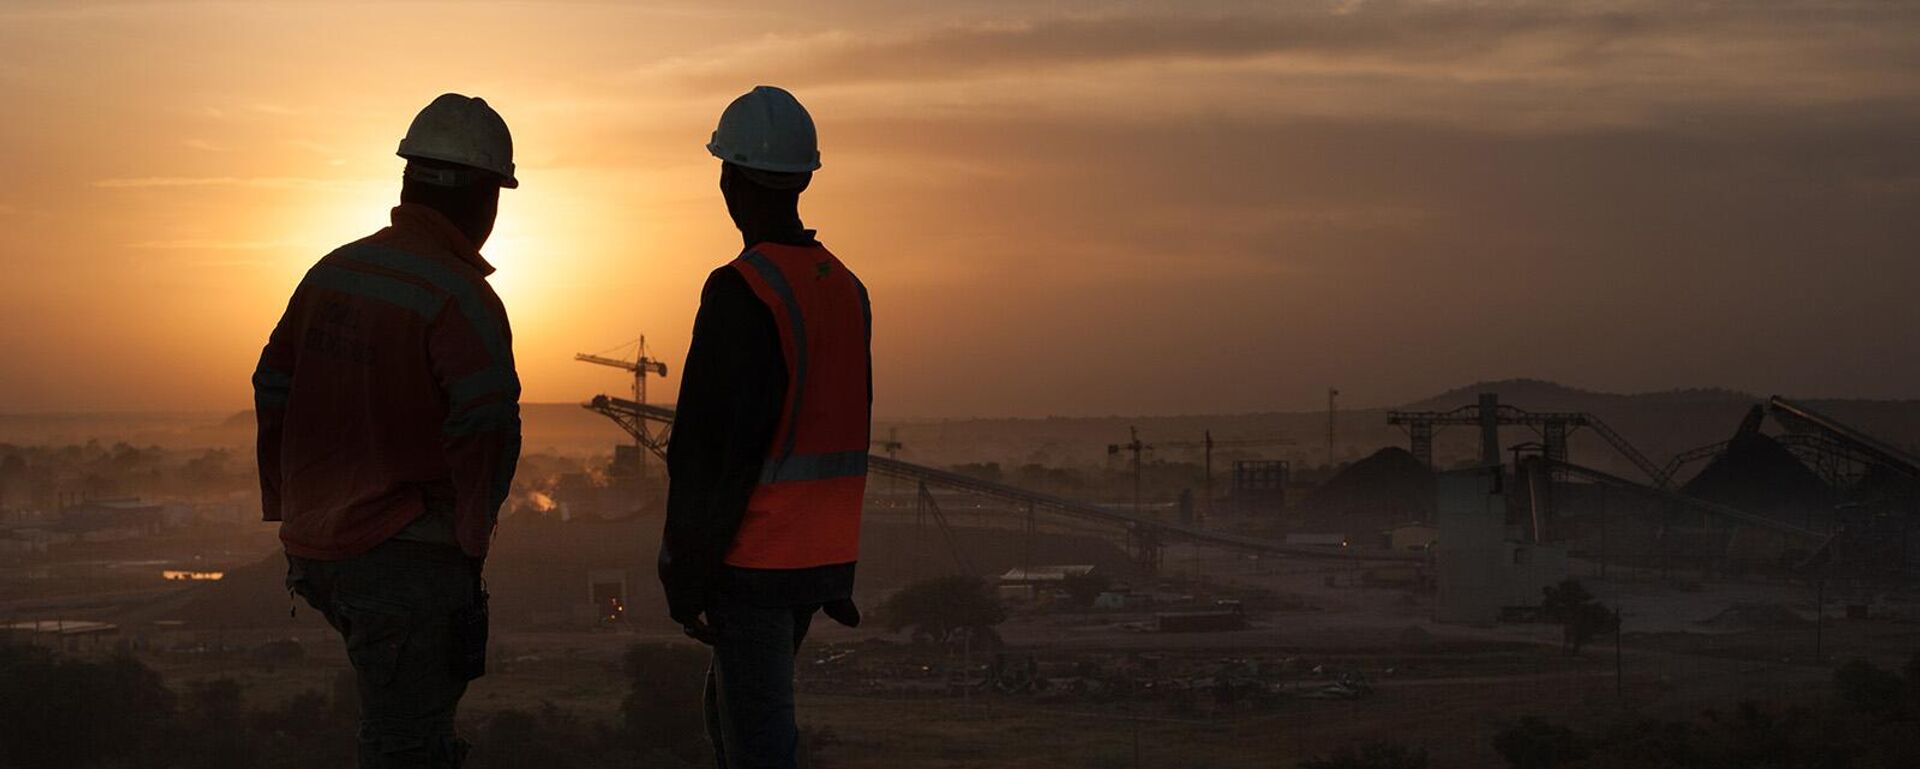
750, 685
394, 605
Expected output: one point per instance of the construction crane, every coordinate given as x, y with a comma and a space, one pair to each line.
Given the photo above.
1134, 446
644, 438
892, 446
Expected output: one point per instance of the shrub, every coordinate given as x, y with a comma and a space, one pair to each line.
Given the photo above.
944, 608
1533, 743
1371, 755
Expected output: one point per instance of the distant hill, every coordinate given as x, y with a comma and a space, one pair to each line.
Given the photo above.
1541, 395
559, 427
1659, 424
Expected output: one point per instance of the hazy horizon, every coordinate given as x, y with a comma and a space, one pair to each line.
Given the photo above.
1463, 391
1082, 209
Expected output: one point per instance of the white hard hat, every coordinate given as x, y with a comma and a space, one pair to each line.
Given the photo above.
464, 131
767, 129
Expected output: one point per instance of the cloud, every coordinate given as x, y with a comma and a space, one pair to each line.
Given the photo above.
1511, 64
207, 244
251, 182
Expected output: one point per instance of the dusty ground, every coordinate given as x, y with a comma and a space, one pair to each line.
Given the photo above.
1442, 687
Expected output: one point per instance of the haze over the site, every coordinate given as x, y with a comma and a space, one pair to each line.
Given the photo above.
1069, 208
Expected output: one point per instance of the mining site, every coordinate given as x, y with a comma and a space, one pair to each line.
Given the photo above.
972, 384
1194, 591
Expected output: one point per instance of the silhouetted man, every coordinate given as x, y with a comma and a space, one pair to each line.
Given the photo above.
389, 430
769, 453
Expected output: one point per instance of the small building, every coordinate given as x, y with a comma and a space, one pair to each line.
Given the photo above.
13, 543
1017, 593
1410, 536
109, 520
1039, 576
1260, 486
1317, 539
39, 539
60, 633
607, 591
1228, 618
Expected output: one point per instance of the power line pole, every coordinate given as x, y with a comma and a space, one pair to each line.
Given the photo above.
1207, 487
1136, 447
1332, 409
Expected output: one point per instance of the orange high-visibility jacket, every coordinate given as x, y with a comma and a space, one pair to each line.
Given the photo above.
388, 382
805, 512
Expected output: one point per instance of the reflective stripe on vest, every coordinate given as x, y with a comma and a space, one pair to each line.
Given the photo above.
805, 510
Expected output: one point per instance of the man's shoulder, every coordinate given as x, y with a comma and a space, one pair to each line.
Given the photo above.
424, 261
726, 276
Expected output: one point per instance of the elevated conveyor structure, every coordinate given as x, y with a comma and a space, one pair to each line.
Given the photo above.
1840, 454
1802, 420
1693, 504
1553, 427
1147, 534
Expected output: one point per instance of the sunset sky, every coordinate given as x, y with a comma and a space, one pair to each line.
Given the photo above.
1060, 208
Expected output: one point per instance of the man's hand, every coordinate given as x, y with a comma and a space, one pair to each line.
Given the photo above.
698, 628
844, 612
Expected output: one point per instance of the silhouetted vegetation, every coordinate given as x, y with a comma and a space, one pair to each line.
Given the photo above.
1083, 589
662, 712
1580, 616
1533, 743
1371, 755
1876, 724
117, 713
944, 609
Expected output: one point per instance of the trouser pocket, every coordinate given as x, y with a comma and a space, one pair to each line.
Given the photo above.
469, 637
377, 632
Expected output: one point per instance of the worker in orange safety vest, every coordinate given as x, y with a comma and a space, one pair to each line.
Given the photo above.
768, 458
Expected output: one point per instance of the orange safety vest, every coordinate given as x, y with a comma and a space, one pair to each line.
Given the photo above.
805, 512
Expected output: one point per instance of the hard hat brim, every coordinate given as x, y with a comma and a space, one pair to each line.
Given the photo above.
720, 152
507, 182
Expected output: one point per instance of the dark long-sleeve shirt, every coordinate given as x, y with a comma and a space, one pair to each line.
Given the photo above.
386, 390
732, 390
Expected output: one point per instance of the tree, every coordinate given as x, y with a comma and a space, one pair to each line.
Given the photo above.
1084, 588
1533, 743
212, 718
1878, 692
1580, 616
70, 712
944, 609
1372, 755
663, 708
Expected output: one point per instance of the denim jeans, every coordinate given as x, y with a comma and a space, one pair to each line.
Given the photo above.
749, 698
394, 607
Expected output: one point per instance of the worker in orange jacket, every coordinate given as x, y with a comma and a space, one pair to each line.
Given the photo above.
389, 423
768, 459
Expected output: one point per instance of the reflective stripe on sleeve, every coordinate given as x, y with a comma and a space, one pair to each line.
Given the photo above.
486, 382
